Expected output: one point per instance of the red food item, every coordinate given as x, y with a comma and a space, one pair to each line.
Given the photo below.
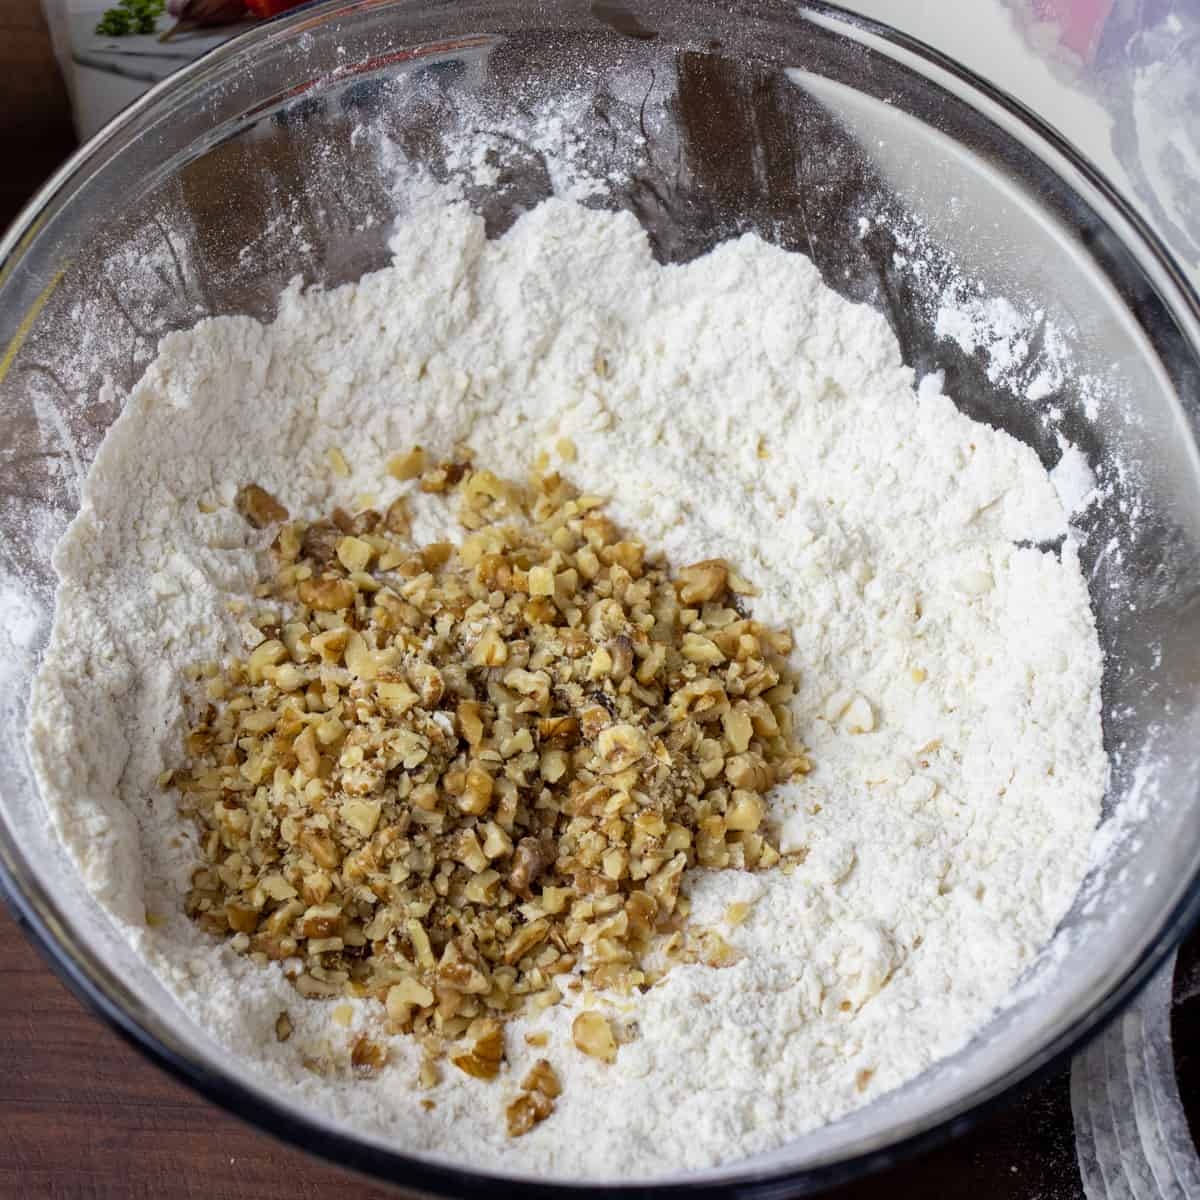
1080, 22
263, 9
206, 12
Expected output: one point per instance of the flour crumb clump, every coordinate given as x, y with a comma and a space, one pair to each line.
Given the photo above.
734, 409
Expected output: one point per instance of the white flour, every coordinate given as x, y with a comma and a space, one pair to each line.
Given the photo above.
732, 407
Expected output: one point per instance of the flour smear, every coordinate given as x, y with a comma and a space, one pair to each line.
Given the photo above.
731, 407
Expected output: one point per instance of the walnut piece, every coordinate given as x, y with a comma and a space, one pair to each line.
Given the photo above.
702, 581
367, 1056
259, 507
407, 466
486, 1051
591, 1033
539, 1089
541, 1078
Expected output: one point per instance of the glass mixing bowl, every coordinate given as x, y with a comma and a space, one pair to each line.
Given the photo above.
905, 178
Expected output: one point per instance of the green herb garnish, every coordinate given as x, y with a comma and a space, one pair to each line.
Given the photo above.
130, 16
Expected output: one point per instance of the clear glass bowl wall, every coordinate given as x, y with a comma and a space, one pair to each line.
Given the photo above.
263, 162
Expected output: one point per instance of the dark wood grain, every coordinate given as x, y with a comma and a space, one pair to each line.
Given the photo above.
35, 118
83, 1115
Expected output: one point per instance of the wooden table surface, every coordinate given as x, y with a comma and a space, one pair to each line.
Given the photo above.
35, 119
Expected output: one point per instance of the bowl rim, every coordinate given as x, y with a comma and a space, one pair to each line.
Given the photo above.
39, 916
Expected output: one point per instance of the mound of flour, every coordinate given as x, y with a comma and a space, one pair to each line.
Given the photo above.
733, 407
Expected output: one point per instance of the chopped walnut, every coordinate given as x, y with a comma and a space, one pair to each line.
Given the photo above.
458, 779
531, 857
407, 466
539, 1089
428, 1075
326, 593
319, 542
541, 1078
592, 1034
482, 1059
259, 507
702, 581
367, 1056
526, 1111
